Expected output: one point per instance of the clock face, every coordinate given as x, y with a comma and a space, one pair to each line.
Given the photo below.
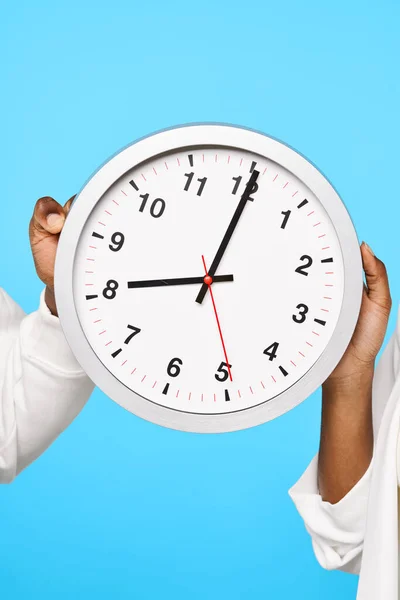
207, 282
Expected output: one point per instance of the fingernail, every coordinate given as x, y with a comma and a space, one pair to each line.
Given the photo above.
368, 248
54, 219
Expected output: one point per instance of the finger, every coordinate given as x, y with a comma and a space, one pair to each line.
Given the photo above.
68, 204
48, 216
376, 278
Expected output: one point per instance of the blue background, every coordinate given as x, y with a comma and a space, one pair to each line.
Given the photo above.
120, 508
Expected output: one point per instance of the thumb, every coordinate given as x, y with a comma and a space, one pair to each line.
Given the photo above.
48, 216
376, 277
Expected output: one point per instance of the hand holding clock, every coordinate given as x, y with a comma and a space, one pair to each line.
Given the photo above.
44, 229
346, 427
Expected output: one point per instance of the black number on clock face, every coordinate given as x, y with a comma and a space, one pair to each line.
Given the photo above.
254, 189
157, 207
308, 262
135, 330
173, 368
271, 351
303, 310
201, 180
238, 180
118, 240
286, 214
222, 373
110, 291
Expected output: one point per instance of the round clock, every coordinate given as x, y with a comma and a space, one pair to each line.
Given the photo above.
208, 278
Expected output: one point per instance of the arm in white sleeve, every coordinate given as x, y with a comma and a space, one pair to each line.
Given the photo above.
337, 530
42, 387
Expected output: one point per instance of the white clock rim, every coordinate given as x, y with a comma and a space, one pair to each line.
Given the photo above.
181, 138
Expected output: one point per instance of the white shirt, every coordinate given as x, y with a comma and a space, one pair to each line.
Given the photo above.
42, 387
359, 534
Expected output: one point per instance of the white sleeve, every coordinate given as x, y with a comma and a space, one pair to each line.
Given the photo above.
42, 387
337, 530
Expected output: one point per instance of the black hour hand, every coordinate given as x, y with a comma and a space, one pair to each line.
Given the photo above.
176, 281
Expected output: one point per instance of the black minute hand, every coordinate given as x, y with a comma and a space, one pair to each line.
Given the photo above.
228, 234
176, 281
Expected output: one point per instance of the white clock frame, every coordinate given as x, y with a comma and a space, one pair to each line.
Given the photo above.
208, 135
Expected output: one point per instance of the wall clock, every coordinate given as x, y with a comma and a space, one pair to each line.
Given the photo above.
208, 278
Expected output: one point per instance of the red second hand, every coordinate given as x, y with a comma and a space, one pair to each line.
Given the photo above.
208, 281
